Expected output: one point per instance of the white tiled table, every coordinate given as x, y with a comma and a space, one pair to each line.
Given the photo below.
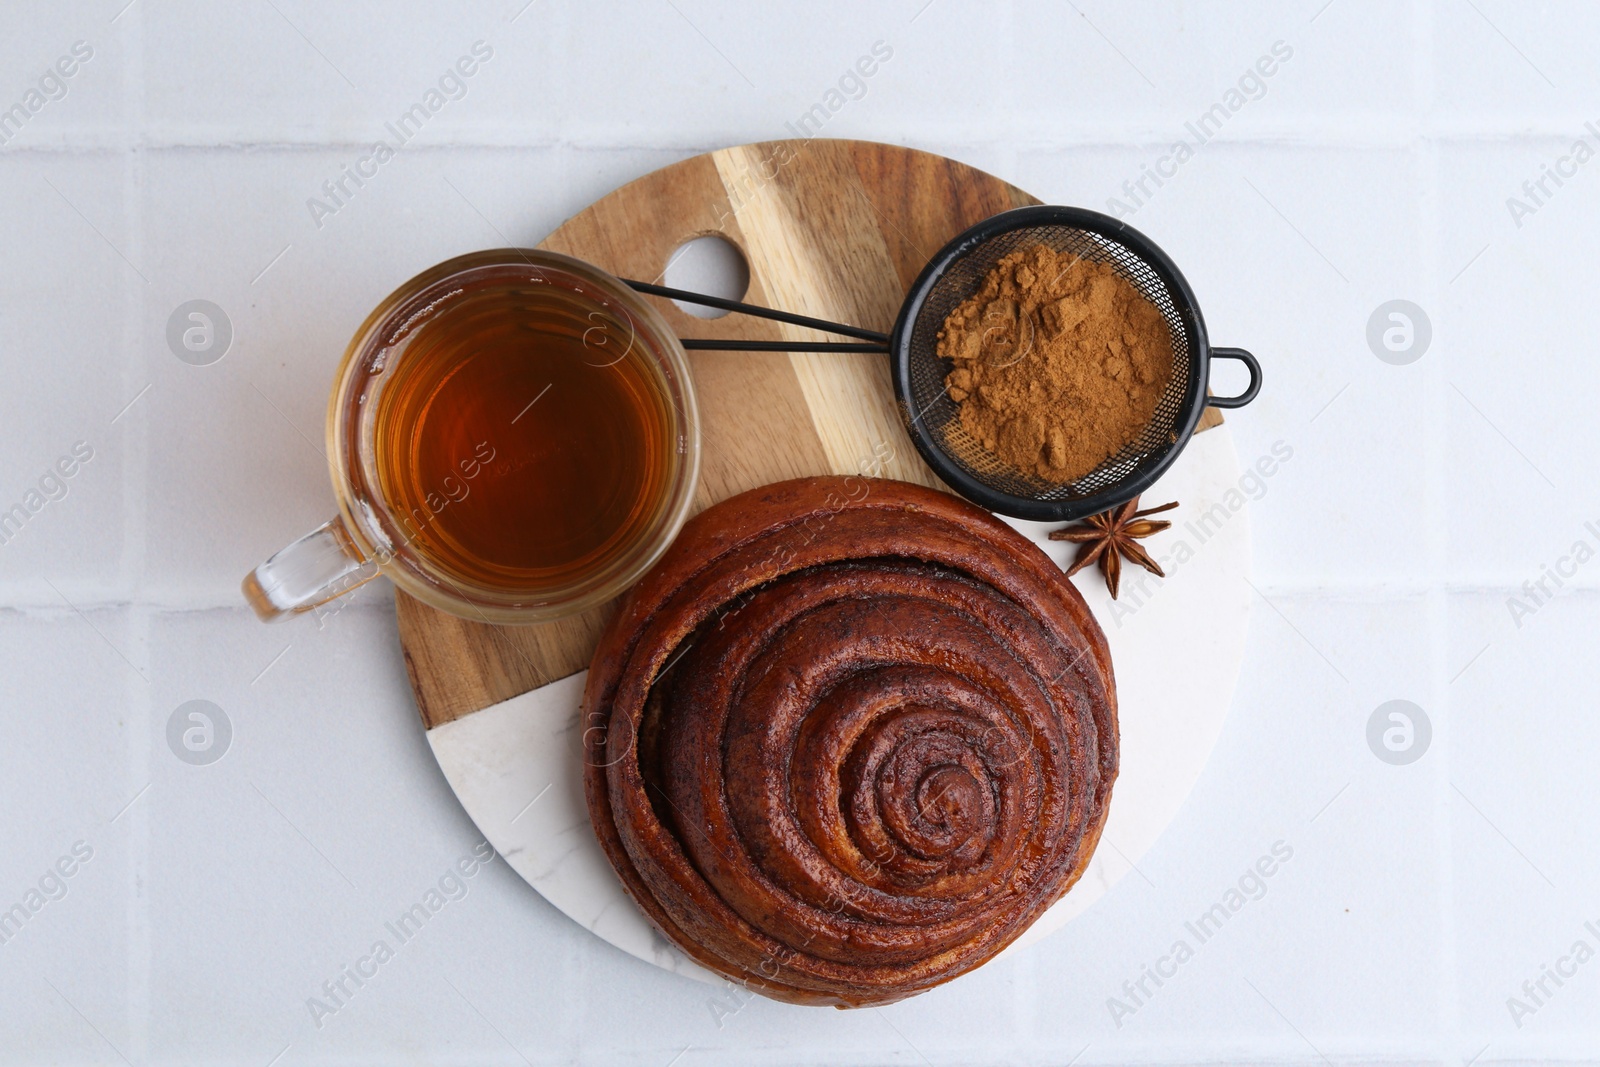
1376, 165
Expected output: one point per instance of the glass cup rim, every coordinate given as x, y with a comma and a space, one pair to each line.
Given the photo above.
367, 515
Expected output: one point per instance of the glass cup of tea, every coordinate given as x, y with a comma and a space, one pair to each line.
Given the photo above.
512, 437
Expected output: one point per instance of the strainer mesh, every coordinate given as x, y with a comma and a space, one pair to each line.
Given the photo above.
940, 414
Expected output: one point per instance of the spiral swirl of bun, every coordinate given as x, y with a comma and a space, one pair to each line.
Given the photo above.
849, 739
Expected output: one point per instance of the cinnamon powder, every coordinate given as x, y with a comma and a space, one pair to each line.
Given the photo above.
1059, 362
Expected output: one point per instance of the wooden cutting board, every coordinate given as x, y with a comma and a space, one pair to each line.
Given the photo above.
833, 229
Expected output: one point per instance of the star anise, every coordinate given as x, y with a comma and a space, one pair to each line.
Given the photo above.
1110, 535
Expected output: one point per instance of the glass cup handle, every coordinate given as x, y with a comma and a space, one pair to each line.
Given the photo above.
322, 565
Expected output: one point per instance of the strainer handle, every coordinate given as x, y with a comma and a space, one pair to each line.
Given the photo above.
1255, 378
870, 340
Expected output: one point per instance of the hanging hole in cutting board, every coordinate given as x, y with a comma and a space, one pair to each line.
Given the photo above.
712, 265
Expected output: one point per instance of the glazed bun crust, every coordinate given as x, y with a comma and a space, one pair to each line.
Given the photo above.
849, 739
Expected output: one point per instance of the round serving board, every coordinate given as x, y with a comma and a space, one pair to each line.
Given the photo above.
837, 230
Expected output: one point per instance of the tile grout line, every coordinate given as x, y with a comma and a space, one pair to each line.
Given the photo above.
1360, 132
1024, 1003
136, 467
569, 167
1353, 593
140, 722
1438, 598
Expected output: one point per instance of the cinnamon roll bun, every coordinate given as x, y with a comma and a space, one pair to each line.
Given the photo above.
849, 738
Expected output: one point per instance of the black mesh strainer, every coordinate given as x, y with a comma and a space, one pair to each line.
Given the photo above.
930, 416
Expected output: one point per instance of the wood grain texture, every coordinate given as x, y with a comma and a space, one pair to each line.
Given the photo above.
834, 229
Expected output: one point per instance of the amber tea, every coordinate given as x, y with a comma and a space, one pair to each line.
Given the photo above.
523, 438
